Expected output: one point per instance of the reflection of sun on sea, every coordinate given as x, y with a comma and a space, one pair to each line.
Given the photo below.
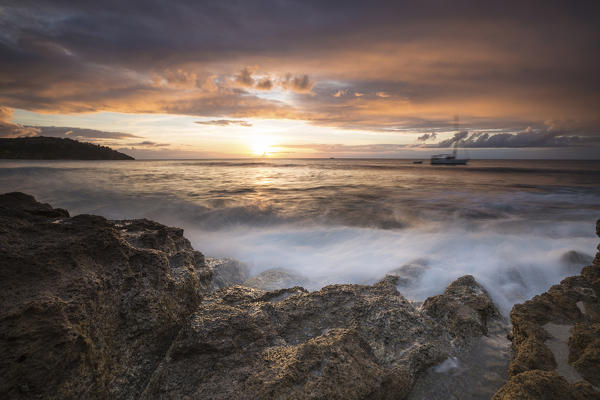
260, 147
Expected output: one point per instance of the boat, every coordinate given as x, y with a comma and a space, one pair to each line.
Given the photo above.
450, 159
417, 162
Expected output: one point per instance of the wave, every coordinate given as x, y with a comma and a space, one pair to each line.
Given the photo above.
511, 271
337, 224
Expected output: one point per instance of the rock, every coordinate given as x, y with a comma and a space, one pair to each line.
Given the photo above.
341, 342
465, 308
20, 204
277, 278
584, 351
227, 272
89, 306
93, 308
481, 352
408, 274
573, 261
543, 385
556, 337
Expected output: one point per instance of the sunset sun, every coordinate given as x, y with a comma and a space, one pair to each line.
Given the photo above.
260, 147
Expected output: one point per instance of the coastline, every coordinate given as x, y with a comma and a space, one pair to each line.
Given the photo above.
129, 309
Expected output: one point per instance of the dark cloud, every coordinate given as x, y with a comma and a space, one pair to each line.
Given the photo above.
300, 84
148, 143
529, 138
81, 133
458, 137
412, 62
244, 78
427, 136
224, 122
265, 84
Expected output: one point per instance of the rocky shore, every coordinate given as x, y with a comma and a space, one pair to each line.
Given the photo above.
556, 337
92, 308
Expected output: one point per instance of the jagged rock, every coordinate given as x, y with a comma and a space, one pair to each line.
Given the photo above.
465, 308
409, 273
556, 341
543, 385
227, 272
276, 278
341, 342
93, 308
584, 351
573, 261
89, 306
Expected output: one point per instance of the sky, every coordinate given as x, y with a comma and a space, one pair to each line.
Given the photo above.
302, 78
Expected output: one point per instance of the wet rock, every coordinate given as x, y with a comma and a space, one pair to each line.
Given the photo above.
227, 272
89, 306
584, 351
410, 273
465, 308
573, 261
93, 308
277, 278
341, 342
543, 385
556, 341
19, 204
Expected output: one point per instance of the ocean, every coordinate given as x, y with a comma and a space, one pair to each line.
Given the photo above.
518, 226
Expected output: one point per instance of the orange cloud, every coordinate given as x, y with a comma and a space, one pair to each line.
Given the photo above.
406, 65
9, 129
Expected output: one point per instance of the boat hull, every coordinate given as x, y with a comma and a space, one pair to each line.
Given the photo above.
455, 161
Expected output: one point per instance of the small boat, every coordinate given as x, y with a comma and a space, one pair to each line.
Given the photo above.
417, 162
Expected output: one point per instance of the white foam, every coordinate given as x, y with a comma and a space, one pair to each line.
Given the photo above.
512, 266
449, 364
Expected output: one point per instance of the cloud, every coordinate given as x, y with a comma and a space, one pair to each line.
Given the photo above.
299, 84
81, 133
458, 137
9, 129
178, 79
427, 136
148, 143
416, 63
265, 84
543, 138
224, 122
244, 78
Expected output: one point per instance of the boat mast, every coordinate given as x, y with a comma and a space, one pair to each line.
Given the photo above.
454, 151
